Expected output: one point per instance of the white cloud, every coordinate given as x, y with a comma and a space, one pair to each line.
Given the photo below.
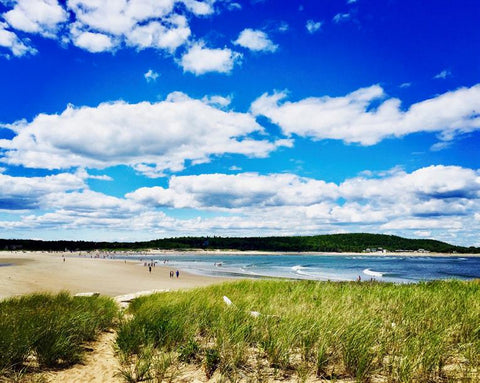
36, 16
430, 191
105, 25
151, 137
93, 42
405, 85
151, 75
352, 119
423, 233
340, 17
157, 35
443, 74
255, 40
10, 40
441, 200
21, 193
433, 182
199, 8
285, 203
200, 60
118, 17
442, 145
237, 191
313, 26
217, 101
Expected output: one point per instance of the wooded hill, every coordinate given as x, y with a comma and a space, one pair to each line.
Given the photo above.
328, 243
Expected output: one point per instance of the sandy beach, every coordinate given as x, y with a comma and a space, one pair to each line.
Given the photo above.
43, 271
35, 272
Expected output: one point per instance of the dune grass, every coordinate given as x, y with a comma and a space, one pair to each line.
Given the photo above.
425, 332
50, 330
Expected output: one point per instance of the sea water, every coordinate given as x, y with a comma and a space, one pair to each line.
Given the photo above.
345, 267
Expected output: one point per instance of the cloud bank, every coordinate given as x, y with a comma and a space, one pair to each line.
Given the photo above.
441, 200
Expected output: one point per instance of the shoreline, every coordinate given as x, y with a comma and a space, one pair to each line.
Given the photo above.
36, 272
104, 254
25, 272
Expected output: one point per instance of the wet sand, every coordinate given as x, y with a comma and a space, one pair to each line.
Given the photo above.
46, 272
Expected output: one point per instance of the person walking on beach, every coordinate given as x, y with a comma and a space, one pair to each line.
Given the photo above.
177, 273
149, 269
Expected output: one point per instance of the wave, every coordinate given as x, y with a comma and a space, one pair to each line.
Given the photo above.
373, 273
297, 268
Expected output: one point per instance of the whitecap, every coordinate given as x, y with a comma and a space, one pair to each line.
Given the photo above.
298, 268
373, 273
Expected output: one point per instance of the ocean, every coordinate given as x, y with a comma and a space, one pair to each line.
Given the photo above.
345, 267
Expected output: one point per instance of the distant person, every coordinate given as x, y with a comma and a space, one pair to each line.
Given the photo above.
359, 279
177, 273
149, 269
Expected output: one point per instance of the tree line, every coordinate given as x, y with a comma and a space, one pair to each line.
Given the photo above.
356, 242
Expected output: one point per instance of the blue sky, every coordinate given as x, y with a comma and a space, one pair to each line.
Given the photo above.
139, 119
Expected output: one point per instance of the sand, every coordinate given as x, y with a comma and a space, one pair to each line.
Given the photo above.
31, 272
47, 272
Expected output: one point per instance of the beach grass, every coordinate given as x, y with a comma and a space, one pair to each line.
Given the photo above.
45, 330
424, 332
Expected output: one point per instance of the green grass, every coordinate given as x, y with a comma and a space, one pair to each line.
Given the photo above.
50, 330
425, 332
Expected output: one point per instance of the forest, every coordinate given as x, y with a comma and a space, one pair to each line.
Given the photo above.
341, 243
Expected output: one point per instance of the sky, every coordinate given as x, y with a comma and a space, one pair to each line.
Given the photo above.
129, 120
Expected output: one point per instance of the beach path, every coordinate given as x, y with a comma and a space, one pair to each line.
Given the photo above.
99, 366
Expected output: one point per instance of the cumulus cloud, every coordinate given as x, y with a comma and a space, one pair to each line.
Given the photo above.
236, 191
20, 193
93, 42
199, 8
10, 40
106, 25
200, 59
434, 190
433, 182
150, 137
255, 40
353, 119
161, 36
36, 16
138, 23
313, 26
